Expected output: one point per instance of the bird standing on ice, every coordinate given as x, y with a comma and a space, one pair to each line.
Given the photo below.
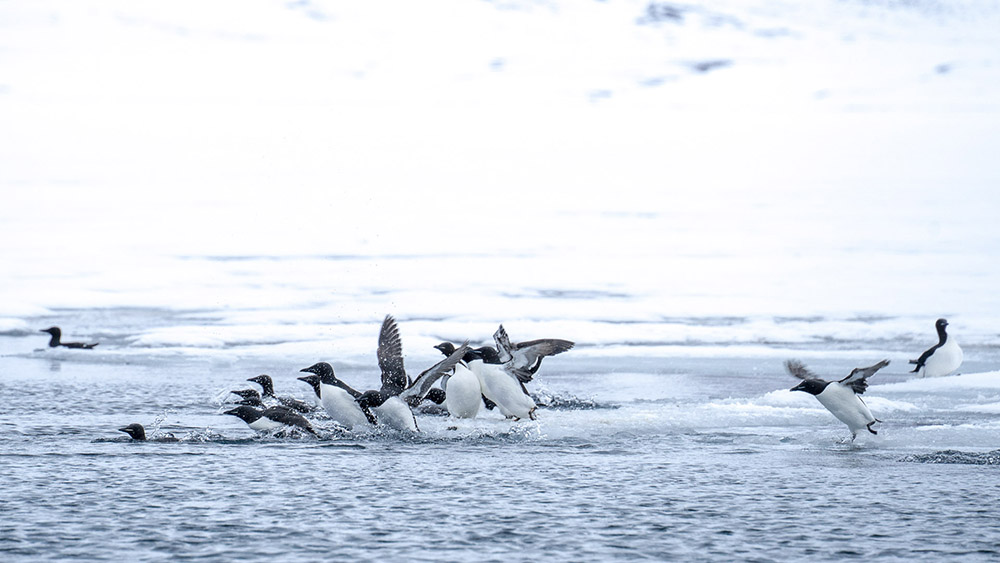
841, 398
941, 359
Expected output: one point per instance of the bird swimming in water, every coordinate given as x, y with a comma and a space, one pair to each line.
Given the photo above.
138, 433
842, 398
272, 418
941, 359
462, 390
56, 340
249, 397
337, 397
313, 381
503, 384
267, 387
391, 404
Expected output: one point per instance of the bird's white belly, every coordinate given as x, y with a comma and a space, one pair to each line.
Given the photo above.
464, 393
844, 404
395, 414
501, 388
264, 424
341, 407
944, 360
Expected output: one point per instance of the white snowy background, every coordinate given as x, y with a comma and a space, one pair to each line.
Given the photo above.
602, 168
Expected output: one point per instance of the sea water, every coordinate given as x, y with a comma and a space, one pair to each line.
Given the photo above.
692, 194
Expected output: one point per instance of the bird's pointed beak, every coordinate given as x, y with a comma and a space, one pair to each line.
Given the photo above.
123, 429
304, 378
799, 387
307, 370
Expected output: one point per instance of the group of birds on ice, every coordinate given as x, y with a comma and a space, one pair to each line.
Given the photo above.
495, 377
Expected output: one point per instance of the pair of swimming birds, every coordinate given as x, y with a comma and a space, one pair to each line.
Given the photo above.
843, 398
471, 378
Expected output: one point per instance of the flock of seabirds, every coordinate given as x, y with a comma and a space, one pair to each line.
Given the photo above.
492, 377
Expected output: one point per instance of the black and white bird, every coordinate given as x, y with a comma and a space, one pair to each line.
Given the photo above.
267, 395
463, 392
391, 404
338, 398
249, 397
138, 433
502, 384
313, 381
56, 340
526, 357
941, 359
272, 418
841, 398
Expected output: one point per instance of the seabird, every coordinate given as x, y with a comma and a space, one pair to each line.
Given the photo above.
56, 341
313, 381
272, 418
941, 359
250, 397
841, 398
393, 409
503, 384
447, 348
463, 392
527, 356
138, 433
338, 398
267, 385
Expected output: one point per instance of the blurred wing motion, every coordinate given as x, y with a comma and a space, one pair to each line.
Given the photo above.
799, 370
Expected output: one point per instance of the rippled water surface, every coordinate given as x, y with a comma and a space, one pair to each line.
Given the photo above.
682, 458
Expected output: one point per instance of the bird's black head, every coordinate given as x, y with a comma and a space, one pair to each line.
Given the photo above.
56, 336
940, 325
135, 430
313, 381
488, 354
245, 413
446, 348
811, 386
436, 396
324, 371
370, 399
265, 383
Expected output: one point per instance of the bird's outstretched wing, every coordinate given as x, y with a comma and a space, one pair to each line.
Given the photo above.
390, 357
526, 357
799, 370
504, 348
416, 392
858, 379
531, 352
